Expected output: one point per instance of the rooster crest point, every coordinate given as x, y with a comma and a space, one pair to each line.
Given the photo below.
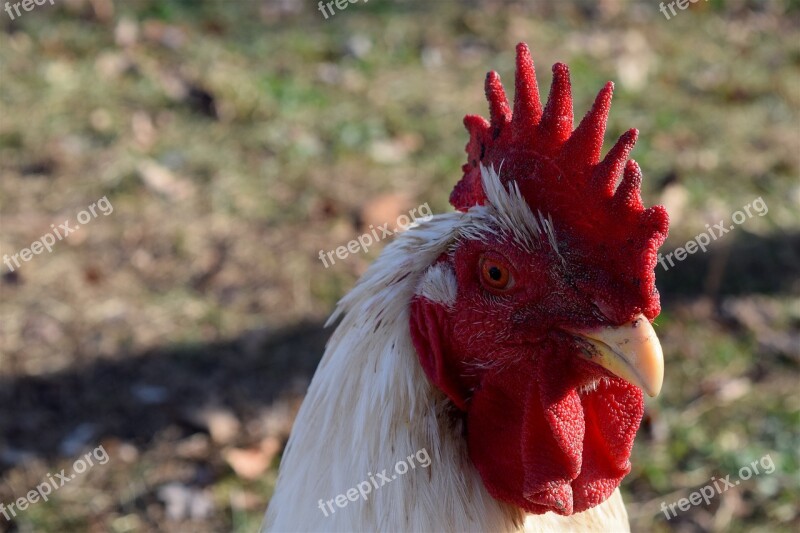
559, 172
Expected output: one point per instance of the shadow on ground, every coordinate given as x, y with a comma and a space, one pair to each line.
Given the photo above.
745, 264
133, 398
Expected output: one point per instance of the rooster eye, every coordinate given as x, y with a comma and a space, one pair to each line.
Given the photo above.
495, 275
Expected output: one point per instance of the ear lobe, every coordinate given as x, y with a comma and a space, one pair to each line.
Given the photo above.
429, 331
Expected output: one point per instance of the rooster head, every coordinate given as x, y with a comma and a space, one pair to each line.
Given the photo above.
536, 323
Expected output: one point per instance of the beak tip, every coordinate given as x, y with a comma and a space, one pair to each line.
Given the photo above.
653, 391
631, 352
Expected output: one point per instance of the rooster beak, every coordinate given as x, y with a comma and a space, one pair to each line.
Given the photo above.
631, 352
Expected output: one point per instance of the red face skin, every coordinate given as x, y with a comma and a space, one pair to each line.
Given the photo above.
537, 439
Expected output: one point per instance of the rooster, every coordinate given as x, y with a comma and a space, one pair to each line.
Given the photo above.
510, 339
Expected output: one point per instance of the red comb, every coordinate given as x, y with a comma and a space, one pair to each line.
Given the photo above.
560, 174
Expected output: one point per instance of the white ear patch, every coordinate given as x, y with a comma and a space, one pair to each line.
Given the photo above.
439, 284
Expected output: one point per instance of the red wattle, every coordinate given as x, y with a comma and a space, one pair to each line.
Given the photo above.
541, 445
612, 414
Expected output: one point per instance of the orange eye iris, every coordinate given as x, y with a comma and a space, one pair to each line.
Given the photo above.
495, 275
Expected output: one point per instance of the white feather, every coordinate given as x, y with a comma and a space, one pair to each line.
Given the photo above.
439, 284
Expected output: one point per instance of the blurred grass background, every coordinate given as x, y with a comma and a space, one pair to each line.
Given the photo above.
237, 139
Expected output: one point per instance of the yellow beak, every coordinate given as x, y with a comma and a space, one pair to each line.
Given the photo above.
631, 352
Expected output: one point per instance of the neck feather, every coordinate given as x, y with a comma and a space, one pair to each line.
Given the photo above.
370, 406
